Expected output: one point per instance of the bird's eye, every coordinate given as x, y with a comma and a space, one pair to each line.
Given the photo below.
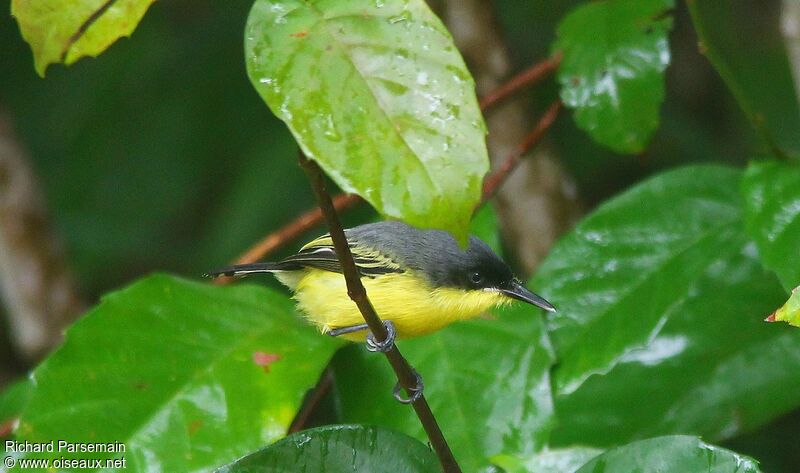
476, 278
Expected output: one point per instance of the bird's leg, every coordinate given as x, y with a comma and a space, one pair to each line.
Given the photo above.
345, 330
415, 392
386, 345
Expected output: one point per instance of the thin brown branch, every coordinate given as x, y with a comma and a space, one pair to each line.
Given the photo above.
494, 180
316, 395
526, 78
405, 374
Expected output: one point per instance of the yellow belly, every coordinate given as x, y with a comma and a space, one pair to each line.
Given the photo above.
408, 301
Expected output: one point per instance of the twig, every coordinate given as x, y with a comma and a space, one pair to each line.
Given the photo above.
525, 78
405, 374
319, 391
493, 181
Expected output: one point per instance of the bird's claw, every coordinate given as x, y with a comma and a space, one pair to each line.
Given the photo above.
385, 345
415, 392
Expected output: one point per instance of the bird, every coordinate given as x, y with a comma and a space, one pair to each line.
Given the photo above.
419, 281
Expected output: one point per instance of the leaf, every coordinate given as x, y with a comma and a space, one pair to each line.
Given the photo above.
13, 399
67, 30
715, 368
378, 95
618, 275
566, 460
667, 454
772, 211
166, 367
753, 63
789, 312
340, 449
615, 53
487, 382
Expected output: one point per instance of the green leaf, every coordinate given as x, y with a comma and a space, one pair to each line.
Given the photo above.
670, 454
487, 382
772, 210
753, 63
184, 374
67, 30
789, 312
615, 53
340, 449
14, 398
566, 460
618, 275
378, 95
715, 368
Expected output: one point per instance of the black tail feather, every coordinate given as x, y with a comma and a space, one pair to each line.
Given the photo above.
241, 270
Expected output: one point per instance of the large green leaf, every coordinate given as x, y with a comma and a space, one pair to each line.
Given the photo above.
618, 275
378, 95
487, 382
188, 376
715, 368
670, 454
67, 30
753, 63
772, 211
615, 53
662, 292
340, 449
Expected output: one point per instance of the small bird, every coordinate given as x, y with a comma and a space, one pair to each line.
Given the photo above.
418, 280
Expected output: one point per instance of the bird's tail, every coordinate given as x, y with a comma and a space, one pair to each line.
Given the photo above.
241, 270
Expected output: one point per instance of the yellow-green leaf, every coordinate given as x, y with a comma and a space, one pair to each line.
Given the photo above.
63, 31
789, 312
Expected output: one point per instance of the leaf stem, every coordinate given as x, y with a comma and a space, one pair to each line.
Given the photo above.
405, 374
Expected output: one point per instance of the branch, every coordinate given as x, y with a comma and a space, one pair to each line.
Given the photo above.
494, 180
405, 374
528, 77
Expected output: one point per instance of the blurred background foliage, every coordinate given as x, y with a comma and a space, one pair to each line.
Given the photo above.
159, 155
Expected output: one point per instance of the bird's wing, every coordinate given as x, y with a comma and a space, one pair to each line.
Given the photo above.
320, 254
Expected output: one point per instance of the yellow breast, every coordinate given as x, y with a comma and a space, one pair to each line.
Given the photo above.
406, 299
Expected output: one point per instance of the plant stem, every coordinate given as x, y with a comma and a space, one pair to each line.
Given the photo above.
526, 78
405, 374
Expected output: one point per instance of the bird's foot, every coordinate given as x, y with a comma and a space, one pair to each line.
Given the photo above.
385, 345
415, 392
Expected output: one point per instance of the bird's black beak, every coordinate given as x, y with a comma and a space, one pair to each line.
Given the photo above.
517, 291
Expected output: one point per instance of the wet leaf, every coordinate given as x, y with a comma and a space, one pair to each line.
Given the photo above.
752, 61
166, 367
789, 312
340, 449
662, 292
378, 95
619, 274
670, 454
566, 460
67, 30
615, 53
772, 210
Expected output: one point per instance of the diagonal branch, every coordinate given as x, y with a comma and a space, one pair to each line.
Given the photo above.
405, 374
